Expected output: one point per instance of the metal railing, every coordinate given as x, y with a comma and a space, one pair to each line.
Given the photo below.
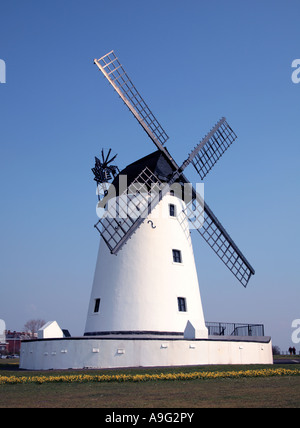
234, 329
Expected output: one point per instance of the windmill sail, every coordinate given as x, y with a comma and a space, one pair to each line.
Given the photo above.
212, 147
219, 240
127, 212
114, 72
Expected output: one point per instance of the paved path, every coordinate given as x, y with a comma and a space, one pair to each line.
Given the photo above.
286, 361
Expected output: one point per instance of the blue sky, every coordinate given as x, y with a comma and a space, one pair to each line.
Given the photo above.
193, 62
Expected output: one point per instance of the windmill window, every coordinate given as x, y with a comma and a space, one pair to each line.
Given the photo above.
182, 304
172, 210
177, 256
97, 306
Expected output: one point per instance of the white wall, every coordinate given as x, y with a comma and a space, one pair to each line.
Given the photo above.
101, 353
50, 330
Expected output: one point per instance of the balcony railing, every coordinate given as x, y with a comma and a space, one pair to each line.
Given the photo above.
234, 329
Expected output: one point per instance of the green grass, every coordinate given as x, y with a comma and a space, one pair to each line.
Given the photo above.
286, 357
250, 392
263, 392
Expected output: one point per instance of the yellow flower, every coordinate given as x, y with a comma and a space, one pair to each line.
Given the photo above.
6, 380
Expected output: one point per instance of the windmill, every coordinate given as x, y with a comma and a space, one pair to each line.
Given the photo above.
138, 280
145, 307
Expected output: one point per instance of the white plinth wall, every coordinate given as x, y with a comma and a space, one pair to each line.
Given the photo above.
78, 353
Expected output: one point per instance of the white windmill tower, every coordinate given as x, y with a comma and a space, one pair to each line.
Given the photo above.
149, 287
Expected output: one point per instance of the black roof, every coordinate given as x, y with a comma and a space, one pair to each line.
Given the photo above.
157, 162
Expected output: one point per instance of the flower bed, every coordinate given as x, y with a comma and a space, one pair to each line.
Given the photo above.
12, 380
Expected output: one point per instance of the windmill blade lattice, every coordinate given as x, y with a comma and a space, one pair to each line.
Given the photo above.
212, 147
212, 231
126, 214
114, 72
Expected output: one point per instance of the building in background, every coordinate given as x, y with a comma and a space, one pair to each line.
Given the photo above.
13, 341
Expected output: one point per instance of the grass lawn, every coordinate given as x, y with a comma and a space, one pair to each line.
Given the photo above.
244, 392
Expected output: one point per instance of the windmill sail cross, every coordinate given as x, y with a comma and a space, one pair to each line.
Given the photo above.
117, 231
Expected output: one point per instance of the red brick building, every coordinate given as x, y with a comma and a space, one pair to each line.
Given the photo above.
13, 341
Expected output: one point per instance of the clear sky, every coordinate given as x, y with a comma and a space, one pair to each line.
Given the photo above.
193, 61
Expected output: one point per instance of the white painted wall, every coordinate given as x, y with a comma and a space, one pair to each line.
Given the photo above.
104, 353
50, 330
140, 285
